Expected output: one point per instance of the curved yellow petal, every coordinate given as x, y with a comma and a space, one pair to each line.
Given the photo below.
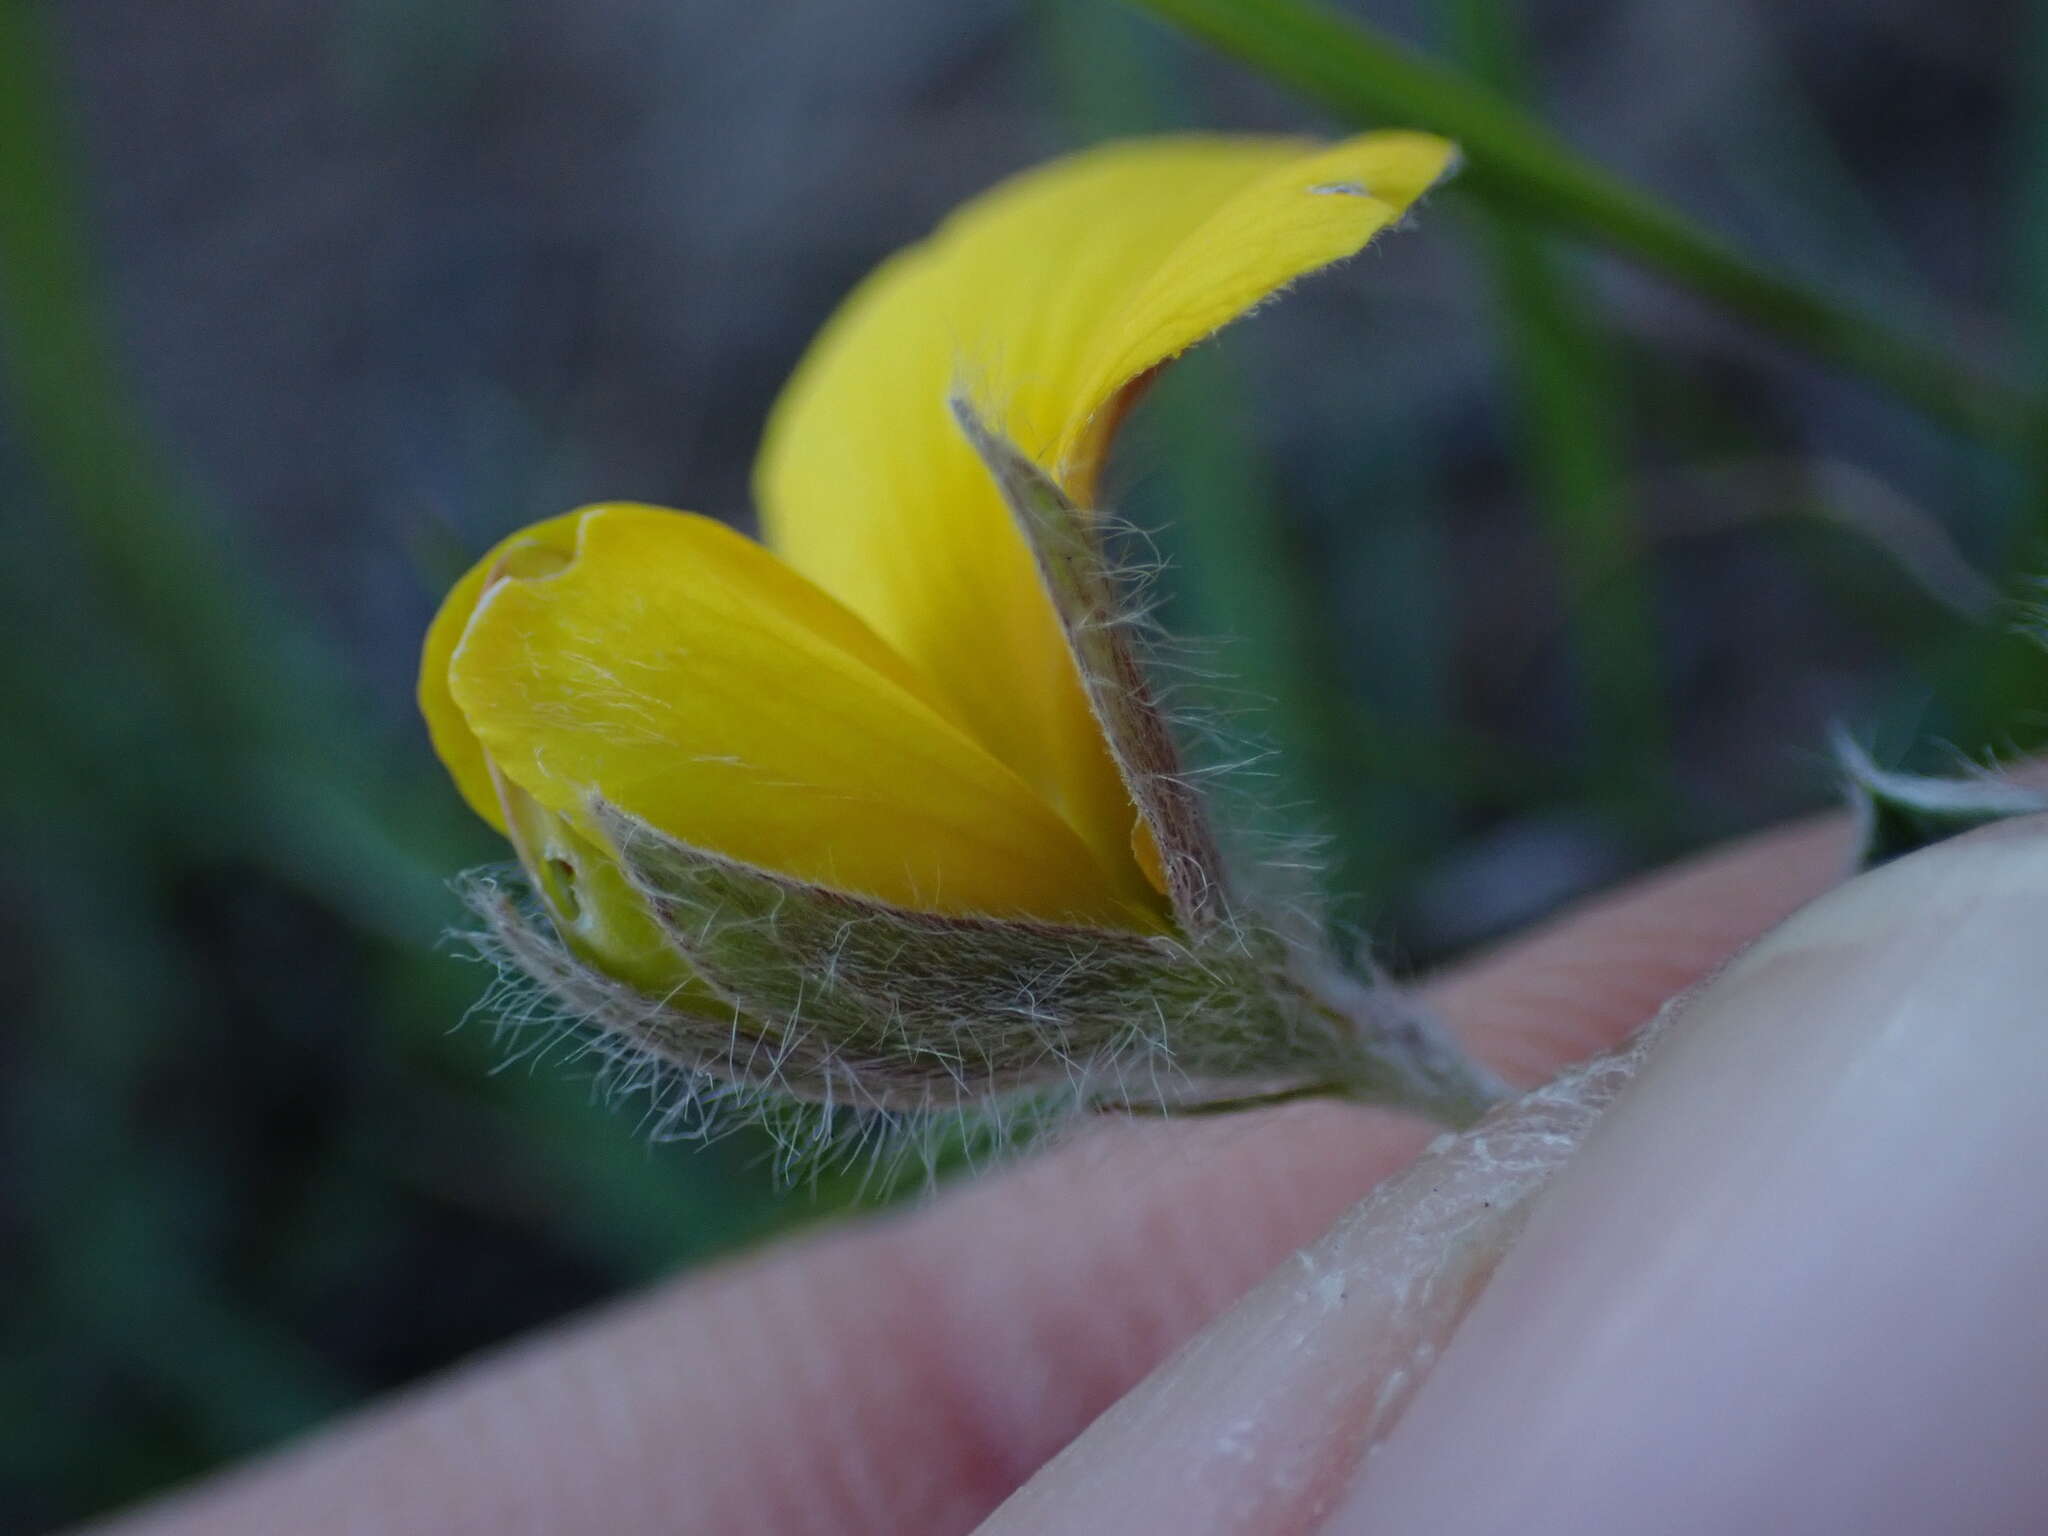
1301, 214
688, 677
521, 552
1048, 300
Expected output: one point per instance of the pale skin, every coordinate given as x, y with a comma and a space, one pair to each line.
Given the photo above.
1787, 1281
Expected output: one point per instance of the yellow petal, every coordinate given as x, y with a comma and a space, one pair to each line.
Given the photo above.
453, 741
1048, 300
689, 678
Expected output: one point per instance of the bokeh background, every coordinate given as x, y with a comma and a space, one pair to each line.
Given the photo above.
1531, 569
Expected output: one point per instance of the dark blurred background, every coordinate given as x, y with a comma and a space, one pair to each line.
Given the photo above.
1533, 570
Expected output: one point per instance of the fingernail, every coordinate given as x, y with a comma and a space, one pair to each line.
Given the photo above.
1632, 1299
1262, 1417
1791, 1281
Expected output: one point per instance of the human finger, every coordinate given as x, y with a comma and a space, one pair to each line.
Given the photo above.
1785, 1279
907, 1374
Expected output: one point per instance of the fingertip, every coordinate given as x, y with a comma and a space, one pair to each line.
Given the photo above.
1753, 1298
1790, 1282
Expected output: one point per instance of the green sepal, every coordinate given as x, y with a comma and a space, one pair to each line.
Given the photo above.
1063, 538
847, 1000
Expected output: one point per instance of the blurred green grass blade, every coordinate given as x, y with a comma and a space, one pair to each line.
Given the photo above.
1107, 72
2029, 200
2001, 701
1513, 162
1980, 690
563, 1156
1246, 581
116, 1256
1778, 155
272, 724
1988, 692
1569, 410
75, 414
1568, 406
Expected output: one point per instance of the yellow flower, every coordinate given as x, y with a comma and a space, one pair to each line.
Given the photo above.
908, 706
882, 699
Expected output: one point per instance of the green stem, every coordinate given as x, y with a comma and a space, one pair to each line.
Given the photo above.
1515, 162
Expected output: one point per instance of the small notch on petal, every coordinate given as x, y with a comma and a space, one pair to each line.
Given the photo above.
532, 562
1340, 189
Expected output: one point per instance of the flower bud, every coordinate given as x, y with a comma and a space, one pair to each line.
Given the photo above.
882, 814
